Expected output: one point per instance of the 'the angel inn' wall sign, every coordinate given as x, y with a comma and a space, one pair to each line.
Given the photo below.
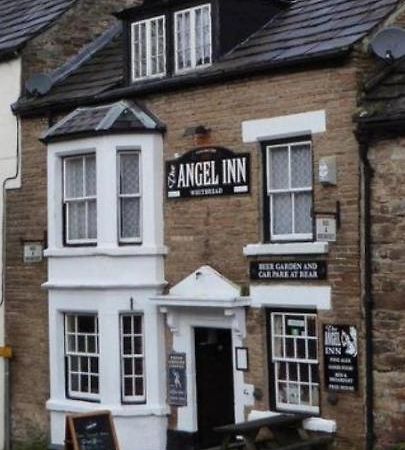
208, 171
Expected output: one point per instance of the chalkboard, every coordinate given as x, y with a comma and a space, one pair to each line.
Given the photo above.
92, 431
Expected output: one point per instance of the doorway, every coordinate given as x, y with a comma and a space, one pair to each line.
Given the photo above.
214, 377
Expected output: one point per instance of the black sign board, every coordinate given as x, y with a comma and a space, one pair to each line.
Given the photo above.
340, 356
208, 171
177, 379
93, 431
288, 270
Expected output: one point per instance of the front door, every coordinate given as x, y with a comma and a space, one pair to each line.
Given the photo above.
214, 375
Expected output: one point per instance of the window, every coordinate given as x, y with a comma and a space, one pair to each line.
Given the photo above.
129, 193
294, 361
82, 356
132, 358
80, 199
193, 37
148, 48
289, 190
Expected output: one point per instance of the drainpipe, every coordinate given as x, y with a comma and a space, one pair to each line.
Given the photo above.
368, 173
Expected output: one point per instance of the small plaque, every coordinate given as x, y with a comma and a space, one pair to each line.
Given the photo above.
340, 358
242, 359
326, 229
33, 252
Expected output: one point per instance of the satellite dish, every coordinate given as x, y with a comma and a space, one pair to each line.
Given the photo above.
39, 84
389, 44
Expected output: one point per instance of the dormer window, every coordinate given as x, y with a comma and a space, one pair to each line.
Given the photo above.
193, 41
148, 48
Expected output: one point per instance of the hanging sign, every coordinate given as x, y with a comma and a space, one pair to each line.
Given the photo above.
288, 270
177, 379
340, 358
208, 171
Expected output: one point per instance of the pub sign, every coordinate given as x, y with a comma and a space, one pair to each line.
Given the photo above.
177, 379
340, 358
208, 171
288, 270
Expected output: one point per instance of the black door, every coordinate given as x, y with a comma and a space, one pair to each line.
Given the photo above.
214, 374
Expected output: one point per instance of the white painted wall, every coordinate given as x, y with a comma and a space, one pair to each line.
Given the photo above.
103, 280
10, 85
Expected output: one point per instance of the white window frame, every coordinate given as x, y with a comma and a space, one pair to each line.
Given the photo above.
85, 199
289, 190
133, 356
193, 56
149, 74
276, 360
138, 239
82, 356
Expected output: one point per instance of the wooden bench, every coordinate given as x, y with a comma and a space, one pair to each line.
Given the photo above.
281, 432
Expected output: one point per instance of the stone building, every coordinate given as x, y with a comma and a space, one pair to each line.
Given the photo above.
33, 40
204, 192
380, 128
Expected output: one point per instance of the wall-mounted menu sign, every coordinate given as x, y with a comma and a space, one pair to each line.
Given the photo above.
208, 171
177, 379
340, 356
288, 270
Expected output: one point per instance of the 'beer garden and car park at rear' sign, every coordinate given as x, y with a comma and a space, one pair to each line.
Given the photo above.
208, 171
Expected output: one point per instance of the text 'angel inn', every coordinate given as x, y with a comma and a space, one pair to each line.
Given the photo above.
206, 229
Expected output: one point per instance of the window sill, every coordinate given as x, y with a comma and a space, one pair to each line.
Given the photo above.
133, 250
288, 248
120, 410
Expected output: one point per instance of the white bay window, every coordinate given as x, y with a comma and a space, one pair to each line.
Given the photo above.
129, 193
148, 48
289, 190
80, 203
193, 41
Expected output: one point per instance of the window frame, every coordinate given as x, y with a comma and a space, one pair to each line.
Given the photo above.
272, 361
65, 201
148, 45
68, 354
132, 399
122, 240
269, 192
193, 47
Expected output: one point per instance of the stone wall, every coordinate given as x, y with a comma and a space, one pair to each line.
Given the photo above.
388, 227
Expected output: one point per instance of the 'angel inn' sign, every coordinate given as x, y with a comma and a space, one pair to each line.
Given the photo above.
208, 171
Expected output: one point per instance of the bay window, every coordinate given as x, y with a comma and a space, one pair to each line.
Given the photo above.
82, 356
294, 361
148, 48
80, 202
193, 41
289, 190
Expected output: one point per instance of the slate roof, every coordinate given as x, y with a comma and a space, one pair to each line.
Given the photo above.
21, 20
307, 31
384, 96
119, 117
